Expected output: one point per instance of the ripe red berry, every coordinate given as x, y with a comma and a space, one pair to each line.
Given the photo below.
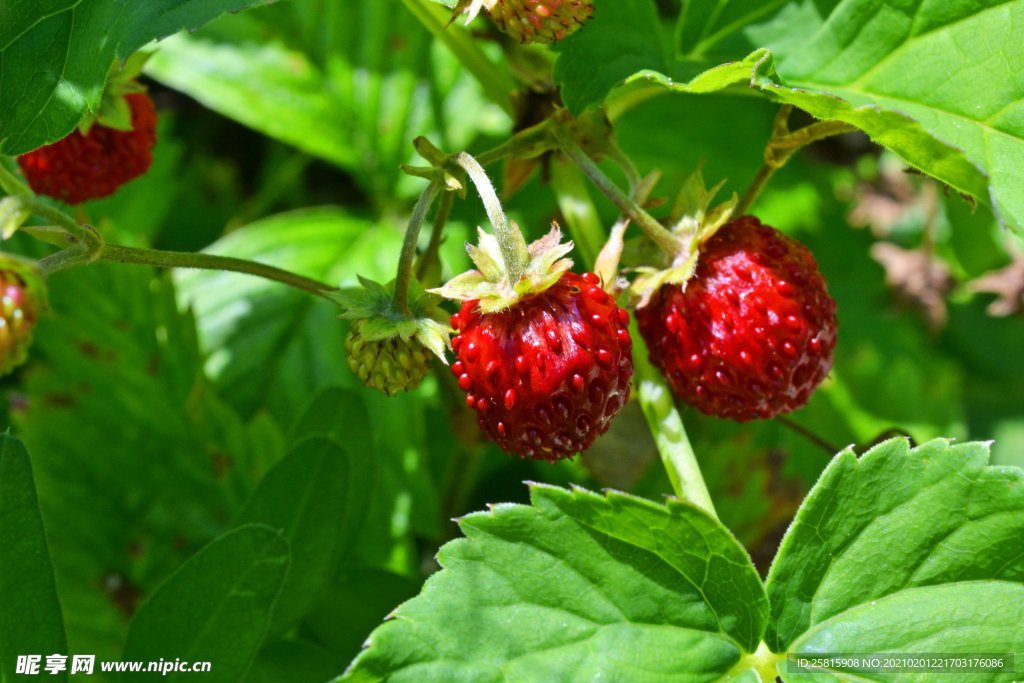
752, 333
85, 166
546, 375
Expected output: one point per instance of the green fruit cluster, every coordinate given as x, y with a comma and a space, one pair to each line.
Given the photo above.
390, 365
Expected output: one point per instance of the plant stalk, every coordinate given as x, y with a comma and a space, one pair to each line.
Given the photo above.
508, 235
669, 434
783, 145
412, 234
429, 258
181, 259
526, 144
651, 227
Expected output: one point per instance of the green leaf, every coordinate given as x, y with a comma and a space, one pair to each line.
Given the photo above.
904, 550
924, 148
357, 602
116, 371
336, 413
623, 37
307, 498
31, 622
267, 343
248, 82
216, 607
55, 56
937, 84
294, 661
966, 618
723, 29
574, 586
366, 77
953, 67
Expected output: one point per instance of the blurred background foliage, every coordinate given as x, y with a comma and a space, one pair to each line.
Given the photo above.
154, 404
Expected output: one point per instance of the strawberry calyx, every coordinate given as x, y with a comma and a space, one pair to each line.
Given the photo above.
693, 221
372, 309
495, 285
114, 110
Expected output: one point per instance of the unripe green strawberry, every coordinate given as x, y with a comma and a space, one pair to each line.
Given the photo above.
22, 298
390, 365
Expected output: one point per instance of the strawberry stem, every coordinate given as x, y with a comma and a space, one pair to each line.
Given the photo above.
508, 235
182, 259
408, 256
784, 144
669, 434
581, 216
85, 246
428, 267
645, 221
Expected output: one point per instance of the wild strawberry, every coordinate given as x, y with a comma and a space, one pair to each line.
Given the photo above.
533, 21
93, 164
22, 299
389, 349
751, 333
390, 365
546, 362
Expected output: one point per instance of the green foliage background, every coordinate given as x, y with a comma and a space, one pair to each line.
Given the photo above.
201, 431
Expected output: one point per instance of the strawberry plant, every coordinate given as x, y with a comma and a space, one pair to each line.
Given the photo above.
531, 340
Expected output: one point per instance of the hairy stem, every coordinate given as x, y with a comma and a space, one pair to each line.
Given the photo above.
651, 227
669, 434
508, 235
181, 259
84, 245
578, 208
39, 208
429, 259
784, 144
412, 234
811, 436
526, 144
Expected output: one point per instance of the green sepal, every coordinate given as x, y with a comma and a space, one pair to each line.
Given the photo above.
650, 280
114, 111
13, 215
544, 265
372, 307
694, 222
481, 256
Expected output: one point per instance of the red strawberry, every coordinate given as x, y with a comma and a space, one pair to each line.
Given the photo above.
546, 375
751, 334
89, 165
